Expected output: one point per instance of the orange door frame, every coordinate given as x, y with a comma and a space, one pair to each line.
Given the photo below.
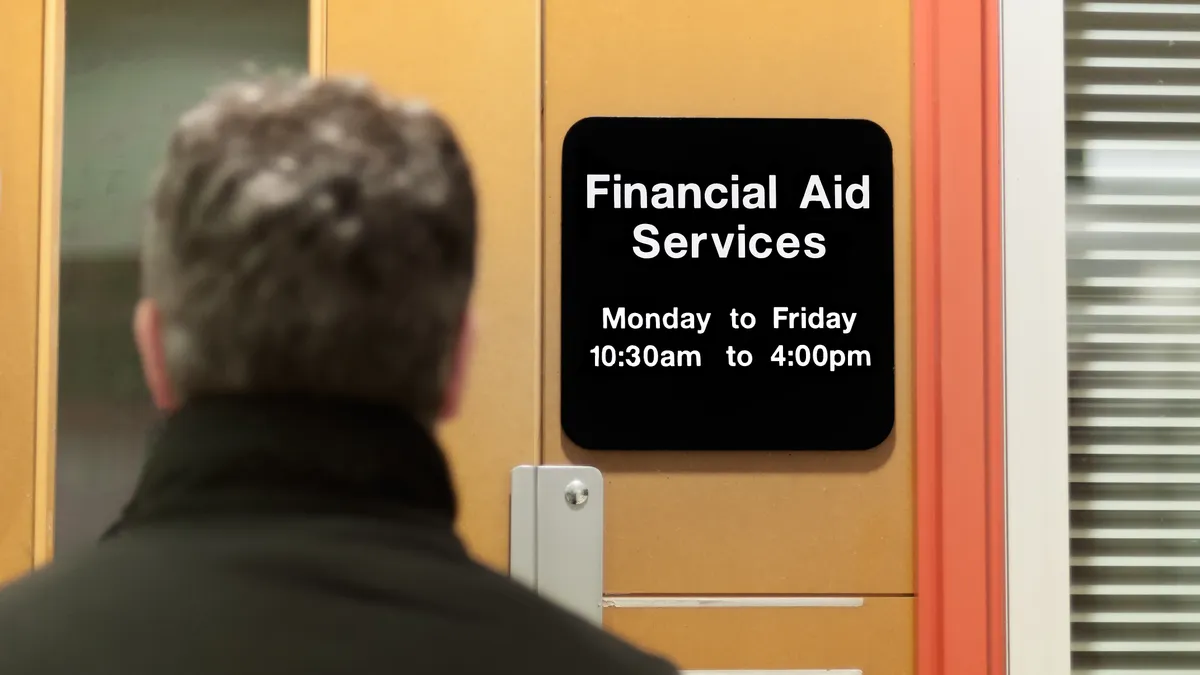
959, 339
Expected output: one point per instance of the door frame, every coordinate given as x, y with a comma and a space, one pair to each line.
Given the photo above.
54, 24
1035, 366
959, 338
30, 163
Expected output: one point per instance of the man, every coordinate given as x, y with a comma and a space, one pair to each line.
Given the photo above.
307, 271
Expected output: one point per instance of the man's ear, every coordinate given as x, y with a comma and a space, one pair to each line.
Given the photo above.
456, 382
148, 335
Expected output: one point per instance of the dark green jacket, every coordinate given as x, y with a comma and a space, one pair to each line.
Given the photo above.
298, 537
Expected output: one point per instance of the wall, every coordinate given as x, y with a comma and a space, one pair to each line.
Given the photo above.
132, 67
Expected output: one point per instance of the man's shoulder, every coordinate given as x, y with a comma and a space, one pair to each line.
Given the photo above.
391, 602
72, 580
53, 616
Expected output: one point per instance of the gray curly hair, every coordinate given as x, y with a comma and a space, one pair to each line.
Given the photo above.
315, 237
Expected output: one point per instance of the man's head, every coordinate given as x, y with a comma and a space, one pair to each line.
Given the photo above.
310, 237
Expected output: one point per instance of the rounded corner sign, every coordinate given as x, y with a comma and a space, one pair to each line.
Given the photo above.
727, 284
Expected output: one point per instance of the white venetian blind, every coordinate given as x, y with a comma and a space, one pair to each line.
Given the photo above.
1133, 185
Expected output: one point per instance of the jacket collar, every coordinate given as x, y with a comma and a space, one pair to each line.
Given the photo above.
286, 454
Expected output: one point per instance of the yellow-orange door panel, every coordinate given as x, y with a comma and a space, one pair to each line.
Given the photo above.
704, 522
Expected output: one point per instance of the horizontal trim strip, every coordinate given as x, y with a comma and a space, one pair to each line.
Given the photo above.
1131, 590
1137, 646
1139, 172
1167, 506
1077, 143
1135, 561
1136, 617
1136, 422
1126, 671
1093, 199
1134, 339
1163, 450
1132, 8
1136, 479
1135, 367
1139, 256
1121, 283
1091, 309
1119, 35
657, 602
1134, 534
1132, 62
1133, 90
1135, 173
1139, 227
1137, 394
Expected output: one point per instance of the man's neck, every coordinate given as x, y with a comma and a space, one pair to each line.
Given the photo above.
264, 453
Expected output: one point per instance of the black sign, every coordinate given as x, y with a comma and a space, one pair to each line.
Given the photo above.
727, 284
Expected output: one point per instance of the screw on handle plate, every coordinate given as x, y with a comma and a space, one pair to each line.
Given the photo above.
577, 493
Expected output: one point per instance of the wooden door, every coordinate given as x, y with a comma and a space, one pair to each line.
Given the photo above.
732, 561
781, 539
829, 550
30, 87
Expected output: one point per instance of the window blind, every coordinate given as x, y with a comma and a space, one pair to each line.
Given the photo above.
1133, 246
